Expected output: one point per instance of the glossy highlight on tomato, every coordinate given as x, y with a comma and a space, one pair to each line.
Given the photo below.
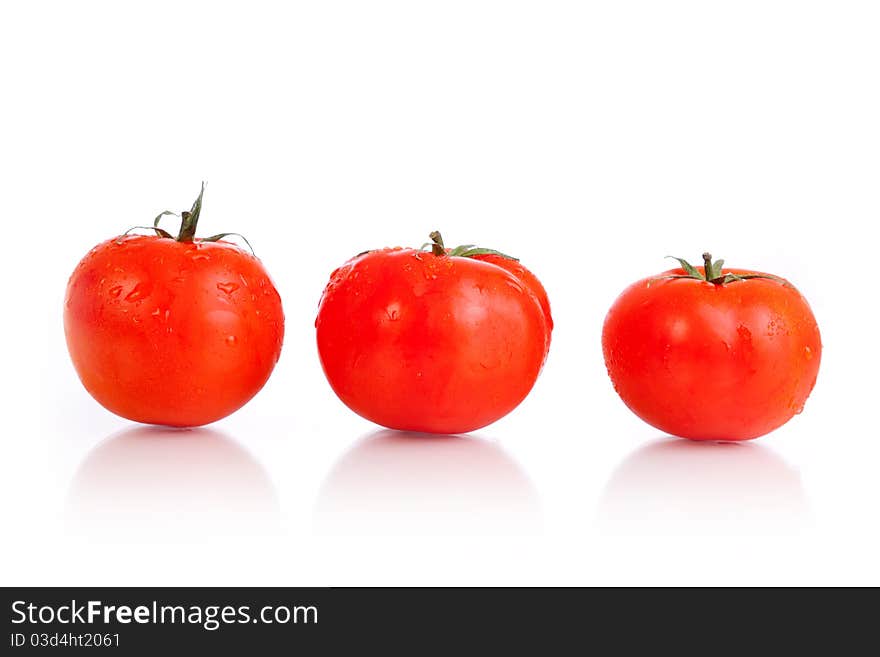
178, 332
708, 353
439, 341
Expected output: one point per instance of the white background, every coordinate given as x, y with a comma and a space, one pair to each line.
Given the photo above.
588, 138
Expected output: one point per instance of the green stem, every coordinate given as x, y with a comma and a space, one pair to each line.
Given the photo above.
714, 273
191, 219
437, 246
707, 266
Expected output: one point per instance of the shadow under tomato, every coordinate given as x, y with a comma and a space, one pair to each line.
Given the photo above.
403, 483
675, 486
158, 483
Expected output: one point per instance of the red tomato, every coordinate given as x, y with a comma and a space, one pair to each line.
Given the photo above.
516, 268
180, 332
732, 358
434, 341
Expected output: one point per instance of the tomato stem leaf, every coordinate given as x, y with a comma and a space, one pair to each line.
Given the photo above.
159, 232
692, 272
191, 219
159, 218
189, 223
463, 251
220, 236
713, 272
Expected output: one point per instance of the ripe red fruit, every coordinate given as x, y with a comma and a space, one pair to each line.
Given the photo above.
712, 354
441, 341
174, 331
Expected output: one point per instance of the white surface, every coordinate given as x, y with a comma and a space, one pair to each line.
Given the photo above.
589, 139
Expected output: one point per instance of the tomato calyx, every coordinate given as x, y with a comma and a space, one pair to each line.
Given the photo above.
438, 248
713, 272
189, 220
464, 251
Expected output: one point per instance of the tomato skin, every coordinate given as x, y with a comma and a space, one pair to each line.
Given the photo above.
172, 333
516, 268
440, 344
712, 362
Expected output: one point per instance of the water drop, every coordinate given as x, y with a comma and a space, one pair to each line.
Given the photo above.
115, 291
228, 288
808, 353
231, 340
136, 294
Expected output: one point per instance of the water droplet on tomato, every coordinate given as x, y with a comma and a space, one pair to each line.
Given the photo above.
231, 340
228, 288
200, 256
115, 291
137, 293
808, 353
